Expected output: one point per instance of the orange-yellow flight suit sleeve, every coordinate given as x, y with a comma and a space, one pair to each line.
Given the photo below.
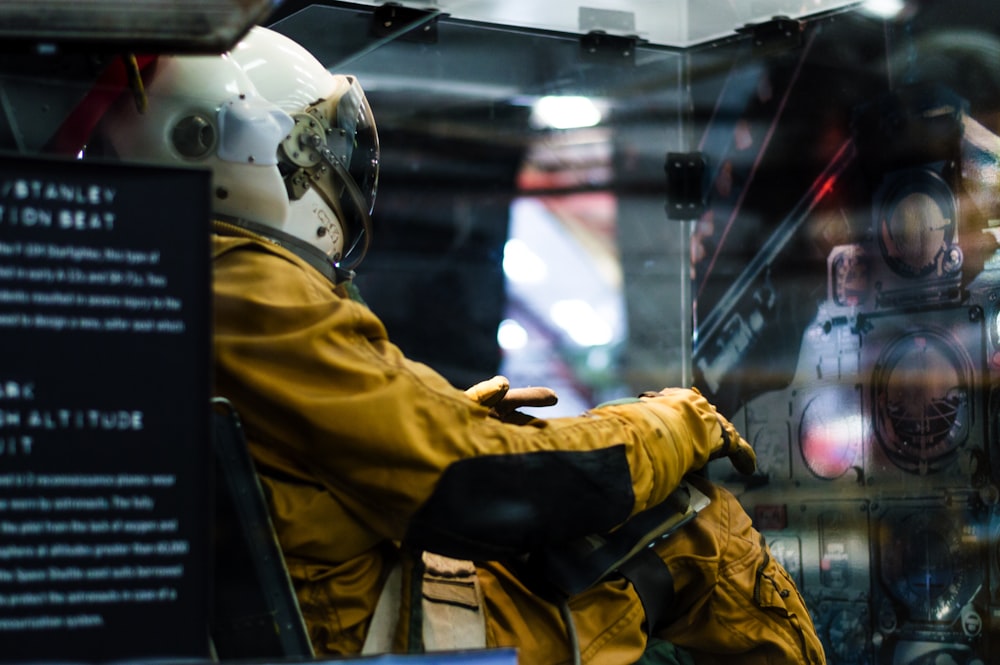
315, 375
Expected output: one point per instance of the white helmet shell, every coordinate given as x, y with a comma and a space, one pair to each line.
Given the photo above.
203, 111
284, 72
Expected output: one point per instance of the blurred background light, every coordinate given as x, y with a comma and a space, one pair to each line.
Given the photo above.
521, 264
884, 8
511, 335
565, 112
581, 322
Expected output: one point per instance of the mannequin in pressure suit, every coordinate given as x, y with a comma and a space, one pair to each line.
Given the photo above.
369, 457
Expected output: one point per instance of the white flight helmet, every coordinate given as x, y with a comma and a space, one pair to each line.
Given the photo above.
282, 162
204, 111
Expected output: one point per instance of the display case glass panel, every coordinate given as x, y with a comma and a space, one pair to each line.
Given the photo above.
793, 206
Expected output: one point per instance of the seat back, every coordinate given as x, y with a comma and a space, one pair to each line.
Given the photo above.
255, 613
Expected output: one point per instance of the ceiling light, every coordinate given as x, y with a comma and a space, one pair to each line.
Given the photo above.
884, 8
567, 112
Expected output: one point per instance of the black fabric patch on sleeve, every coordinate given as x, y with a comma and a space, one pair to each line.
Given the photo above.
496, 506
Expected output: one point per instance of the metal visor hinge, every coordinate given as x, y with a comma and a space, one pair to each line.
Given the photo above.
775, 36
599, 45
409, 23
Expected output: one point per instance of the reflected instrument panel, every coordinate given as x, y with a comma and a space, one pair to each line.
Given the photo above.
878, 483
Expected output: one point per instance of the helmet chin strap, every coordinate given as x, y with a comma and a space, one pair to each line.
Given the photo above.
311, 254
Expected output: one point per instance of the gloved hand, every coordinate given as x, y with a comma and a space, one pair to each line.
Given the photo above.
730, 444
489, 392
503, 401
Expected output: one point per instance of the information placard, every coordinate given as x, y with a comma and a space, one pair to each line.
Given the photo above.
104, 410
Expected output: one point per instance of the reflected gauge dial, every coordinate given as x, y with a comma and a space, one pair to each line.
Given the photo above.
921, 401
847, 637
916, 222
771, 446
927, 567
830, 432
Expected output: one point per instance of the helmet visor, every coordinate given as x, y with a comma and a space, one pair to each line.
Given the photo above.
358, 140
354, 145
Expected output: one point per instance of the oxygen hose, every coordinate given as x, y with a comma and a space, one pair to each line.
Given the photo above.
571, 636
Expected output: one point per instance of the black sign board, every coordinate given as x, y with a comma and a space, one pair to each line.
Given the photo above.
104, 411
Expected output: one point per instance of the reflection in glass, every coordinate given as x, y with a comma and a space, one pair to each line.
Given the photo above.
830, 432
921, 402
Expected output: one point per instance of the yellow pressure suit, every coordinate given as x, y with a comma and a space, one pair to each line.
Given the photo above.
361, 448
